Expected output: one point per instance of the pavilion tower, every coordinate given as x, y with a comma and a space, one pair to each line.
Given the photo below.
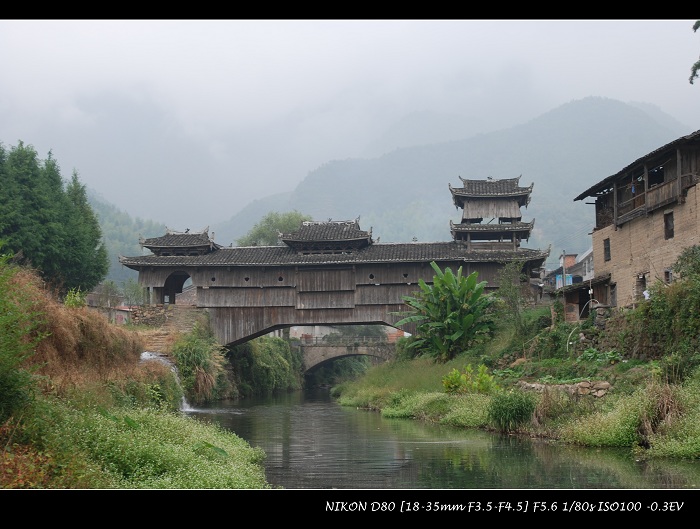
491, 217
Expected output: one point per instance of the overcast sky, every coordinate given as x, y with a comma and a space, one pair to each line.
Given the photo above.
186, 122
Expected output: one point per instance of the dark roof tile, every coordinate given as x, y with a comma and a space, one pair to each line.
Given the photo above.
328, 231
375, 253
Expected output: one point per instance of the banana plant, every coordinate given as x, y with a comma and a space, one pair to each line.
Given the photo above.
450, 315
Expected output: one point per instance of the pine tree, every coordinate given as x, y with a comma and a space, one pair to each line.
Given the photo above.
86, 261
48, 225
28, 211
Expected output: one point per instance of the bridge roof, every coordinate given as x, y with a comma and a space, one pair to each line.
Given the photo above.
314, 235
175, 239
331, 230
376, 253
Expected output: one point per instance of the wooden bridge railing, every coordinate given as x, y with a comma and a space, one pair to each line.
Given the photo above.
344, 341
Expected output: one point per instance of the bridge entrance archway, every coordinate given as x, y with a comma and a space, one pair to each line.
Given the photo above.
172, 285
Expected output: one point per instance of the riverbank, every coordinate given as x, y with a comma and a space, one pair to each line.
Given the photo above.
618, 401
81, 411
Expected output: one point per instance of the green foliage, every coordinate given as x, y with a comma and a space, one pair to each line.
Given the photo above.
510, 410
85, 259
424, 406
20, 321
513, 289
468, 411
593, 355
47, 223
696, 66
266, 365
687, 264
201, 364
614, 426
267, 231
667, 326
404, 351
135, 448
456, 383
552, 342
451, 315
558, 309
74, 298
133, 293
677, 434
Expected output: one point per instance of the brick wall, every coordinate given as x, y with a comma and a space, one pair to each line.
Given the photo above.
639, 247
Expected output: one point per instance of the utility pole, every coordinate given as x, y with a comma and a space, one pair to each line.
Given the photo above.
563, 268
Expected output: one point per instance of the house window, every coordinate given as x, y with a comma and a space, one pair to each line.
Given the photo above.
606, 249
668, 225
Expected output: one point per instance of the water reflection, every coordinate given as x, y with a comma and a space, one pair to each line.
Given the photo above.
313, 443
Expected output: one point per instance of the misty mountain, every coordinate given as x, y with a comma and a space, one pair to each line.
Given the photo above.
404, 194
425, 128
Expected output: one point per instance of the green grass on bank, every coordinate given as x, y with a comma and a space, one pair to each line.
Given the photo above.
78, 409
646, 408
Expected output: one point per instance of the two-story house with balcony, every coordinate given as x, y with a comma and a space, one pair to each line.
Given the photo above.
645, 215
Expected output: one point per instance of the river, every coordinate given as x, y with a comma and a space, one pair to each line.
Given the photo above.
311, 442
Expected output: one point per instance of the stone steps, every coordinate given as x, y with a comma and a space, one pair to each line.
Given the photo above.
179, 320
182, 318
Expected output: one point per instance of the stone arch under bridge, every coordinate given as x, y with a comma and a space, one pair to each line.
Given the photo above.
318, 354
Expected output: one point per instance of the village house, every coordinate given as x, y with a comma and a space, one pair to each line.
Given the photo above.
645, 216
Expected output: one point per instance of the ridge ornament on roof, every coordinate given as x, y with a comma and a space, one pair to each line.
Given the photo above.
181, 243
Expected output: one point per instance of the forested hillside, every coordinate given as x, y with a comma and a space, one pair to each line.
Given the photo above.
404, 194
121, 234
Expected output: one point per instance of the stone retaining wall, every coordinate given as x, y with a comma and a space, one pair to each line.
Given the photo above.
149, 315
595, 389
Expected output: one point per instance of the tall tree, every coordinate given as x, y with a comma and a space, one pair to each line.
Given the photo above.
30, 201
47, 225
266, 232
513, 289
85, 259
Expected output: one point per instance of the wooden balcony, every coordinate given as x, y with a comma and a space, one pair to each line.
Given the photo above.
654, 198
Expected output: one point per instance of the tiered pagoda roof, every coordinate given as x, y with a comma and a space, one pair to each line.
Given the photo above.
328, 237
477, 189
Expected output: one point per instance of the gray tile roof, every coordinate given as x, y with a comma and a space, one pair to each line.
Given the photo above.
490, 188
375, 253
178, 240
318, 231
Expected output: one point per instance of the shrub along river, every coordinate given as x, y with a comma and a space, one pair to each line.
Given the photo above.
311, 442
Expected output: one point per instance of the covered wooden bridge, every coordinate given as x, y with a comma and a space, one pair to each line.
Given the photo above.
331, 272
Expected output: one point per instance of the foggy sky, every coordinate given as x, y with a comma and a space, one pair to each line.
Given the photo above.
186, 122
